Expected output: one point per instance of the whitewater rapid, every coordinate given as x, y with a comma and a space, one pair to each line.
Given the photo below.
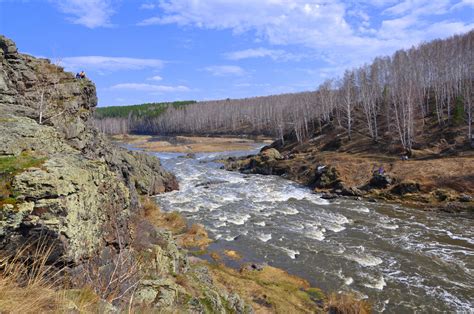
403, 260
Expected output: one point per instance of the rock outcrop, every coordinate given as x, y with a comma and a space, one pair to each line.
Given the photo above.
82, 177
65, 186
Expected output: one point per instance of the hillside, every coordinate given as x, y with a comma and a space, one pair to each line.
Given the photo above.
437, 174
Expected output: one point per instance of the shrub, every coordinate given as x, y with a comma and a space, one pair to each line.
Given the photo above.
458, 113
346, 304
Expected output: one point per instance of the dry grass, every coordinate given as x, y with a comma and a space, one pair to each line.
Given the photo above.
346, 304
27, 283
184, 144
233, 254
271, 290
195, 237
173, 221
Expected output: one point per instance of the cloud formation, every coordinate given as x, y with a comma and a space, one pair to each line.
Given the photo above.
261, 53
346, 31
89, 13
109, 64
150, 88
155, 78
225, 70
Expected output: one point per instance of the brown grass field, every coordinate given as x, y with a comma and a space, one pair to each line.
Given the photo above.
185, 144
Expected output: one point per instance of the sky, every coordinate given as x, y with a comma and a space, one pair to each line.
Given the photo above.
139, 51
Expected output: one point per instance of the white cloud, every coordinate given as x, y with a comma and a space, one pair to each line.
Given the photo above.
150, 88
261, 53
148, 6
278, 21
349, 32
108, 64
155, 78
89, 13
463, 3
225, 70
419, 7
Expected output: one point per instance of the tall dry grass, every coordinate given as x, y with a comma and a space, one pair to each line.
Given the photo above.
27, 283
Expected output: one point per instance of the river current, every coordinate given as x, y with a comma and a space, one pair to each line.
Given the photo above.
404, 260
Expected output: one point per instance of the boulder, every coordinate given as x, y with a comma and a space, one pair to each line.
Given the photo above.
329, 196
442, 195
270, 155
379, 181
406, 187
326, 177
465, 198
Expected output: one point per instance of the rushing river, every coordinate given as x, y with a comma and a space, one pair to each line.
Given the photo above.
404, 260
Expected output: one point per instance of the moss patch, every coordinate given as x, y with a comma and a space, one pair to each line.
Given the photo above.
10, 166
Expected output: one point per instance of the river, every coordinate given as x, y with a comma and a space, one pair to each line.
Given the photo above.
404, 260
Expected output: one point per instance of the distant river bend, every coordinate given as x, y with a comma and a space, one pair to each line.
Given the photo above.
404, 260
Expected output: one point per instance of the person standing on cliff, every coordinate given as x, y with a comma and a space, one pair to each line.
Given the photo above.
82, 74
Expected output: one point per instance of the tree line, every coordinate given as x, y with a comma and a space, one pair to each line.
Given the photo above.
130, 119
392, 96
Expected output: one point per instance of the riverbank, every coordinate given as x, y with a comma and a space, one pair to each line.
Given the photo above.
189, 144
428, 182
373, 250
265, 288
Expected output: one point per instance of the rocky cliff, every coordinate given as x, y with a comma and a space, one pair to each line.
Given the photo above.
63, 183
78, 177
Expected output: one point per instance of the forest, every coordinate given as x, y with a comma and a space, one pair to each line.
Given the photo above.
130, 119
393, 97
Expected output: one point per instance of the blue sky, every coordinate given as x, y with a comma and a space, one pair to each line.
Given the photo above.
144, 50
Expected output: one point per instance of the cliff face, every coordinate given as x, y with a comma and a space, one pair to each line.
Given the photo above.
64, 186
58, 175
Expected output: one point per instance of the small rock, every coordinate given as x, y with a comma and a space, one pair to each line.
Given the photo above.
465, 198
253, 267
329, 196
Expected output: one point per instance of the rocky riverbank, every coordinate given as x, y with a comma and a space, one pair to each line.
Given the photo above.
76, 205
433, 183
